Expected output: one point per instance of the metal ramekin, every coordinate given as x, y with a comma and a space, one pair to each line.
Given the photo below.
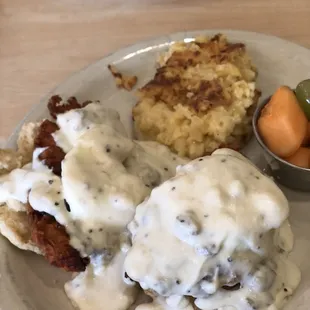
285, 173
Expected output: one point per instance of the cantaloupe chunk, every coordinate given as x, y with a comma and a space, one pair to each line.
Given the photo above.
282, 123
301, 158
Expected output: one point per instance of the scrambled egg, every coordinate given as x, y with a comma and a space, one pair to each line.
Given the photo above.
202, 97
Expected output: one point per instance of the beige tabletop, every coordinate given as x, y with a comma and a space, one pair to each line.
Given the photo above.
42, 41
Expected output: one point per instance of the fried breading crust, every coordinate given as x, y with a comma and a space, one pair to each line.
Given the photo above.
57, 106
52, 158
53, 240
46, 233
44, 137
53, 155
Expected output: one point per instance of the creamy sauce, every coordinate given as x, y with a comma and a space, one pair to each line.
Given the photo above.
212, 226
152, 163
170, 303
217, 223
73, 124
101, 193
37, 164
17, 184
105, 175
101, 286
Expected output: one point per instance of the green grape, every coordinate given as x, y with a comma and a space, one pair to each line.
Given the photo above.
302, 93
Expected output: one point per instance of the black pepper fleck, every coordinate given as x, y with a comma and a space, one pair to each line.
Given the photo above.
56, 203
206, 215
108, 149
166, 169
115, 200
174, 158
67, 206
100, 229
178, 281
201, 159
50, 181
87, 127
90, 231
223, 160
147, 185
58, 193
100, 190
285, 289
229, 259
173, 188
257, 177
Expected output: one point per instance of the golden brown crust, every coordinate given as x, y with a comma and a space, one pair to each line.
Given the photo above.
123, 81
172, 90
53, 240
173, 86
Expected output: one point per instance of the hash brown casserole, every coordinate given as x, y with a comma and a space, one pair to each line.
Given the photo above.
201, 98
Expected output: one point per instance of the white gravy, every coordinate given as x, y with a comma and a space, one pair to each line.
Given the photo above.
105, 175
101, 286
219, 222
73, 124
170, 303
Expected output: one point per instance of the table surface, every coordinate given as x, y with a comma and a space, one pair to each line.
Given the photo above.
43, 41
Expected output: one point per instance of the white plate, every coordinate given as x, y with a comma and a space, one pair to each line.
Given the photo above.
28, 282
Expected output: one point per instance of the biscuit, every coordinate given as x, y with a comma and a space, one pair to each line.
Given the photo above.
15, 227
